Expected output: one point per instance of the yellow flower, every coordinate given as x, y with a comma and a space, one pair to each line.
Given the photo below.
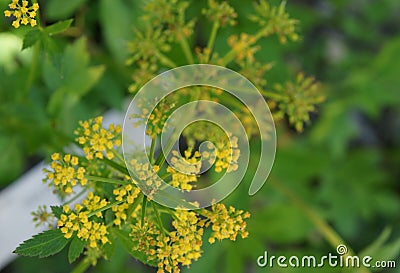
96, 140
78, 223
225, 223
23, 13
64, 173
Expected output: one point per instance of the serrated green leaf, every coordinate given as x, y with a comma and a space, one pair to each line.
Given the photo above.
58, 27
31, 38
43, 245
129, 245
57, 211
75, 249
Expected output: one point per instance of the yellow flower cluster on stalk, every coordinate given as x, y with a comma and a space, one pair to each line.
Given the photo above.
97, 140
77, 222
226, 222
23, 13
115, 208
184, 171
65, 173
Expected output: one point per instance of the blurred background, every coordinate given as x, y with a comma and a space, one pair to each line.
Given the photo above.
345, 166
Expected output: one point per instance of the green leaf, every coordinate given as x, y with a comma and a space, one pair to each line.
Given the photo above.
129, 245
72, 79
379, 250
58, 9
117, 21
75, 249
31, 38
58, 27
53, 50
377, 244
43, 245
57, 211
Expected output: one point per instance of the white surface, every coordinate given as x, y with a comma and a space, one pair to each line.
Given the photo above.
22, 197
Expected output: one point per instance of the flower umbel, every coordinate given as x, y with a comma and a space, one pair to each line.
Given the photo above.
22, 13
64, 173
96, 140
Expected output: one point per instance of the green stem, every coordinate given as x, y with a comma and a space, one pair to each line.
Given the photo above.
82, 266
186, 50
32, 69
144, 205
230, 56
165, 60
107, 180
211, 40
116, 166
118, 155
271, 95
105, 208
152, 149
75, 197
158, 218
326, 231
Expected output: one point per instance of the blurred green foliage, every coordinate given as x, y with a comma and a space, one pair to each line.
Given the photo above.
345, 166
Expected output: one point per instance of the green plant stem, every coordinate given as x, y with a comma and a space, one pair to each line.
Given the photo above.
230, 56
75, 197
158, 218
165, 60
271, 95
82, 266
116, 166
152, 149
186, 50
107, 180
211, 40
105, 208
32, 69
118, 155
322, 226
144, 205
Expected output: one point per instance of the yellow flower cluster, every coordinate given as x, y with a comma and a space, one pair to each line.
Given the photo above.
222, 151
275, 20
184, 171
65, 173
220, 12
94, 202
179, 248
86, 230
22, 13
156, 121
242, 46
298, 99
225, 223
96, 140
120, 210
182, 245
148, 175
145, 235
226, 154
